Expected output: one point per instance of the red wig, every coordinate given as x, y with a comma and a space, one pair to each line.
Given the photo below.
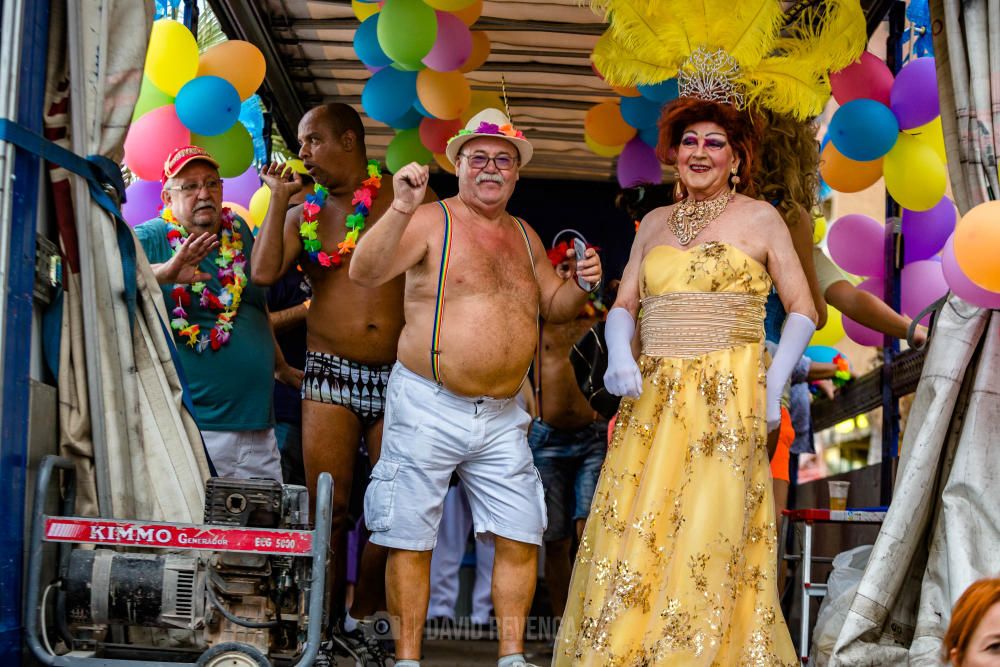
967, 614
740, 127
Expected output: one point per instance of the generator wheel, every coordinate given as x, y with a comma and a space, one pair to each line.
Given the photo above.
233, 654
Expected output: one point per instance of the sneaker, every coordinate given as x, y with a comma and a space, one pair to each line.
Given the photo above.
362, 646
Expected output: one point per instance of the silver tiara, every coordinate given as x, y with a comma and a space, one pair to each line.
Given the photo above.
711, 75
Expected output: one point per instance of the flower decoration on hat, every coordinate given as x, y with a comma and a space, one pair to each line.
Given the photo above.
490, 123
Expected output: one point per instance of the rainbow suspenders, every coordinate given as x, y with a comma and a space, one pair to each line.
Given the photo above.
442, 277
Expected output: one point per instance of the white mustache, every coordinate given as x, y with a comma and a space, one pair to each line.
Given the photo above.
496, 178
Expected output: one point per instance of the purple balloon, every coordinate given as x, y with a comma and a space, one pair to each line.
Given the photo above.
925, 232
638, 164
874, 286
861, 334
960, 283
857, 244
142, 202
453, 44
914, 95
239, 190
921, 284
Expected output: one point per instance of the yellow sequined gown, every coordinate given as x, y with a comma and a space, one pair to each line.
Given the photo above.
677, 562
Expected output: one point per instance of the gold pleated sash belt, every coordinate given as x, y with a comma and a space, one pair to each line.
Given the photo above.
690, 324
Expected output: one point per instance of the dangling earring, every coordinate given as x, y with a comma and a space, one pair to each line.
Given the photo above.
679, 192
735, 181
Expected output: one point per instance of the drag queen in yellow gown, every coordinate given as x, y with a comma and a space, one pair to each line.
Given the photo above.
677, 562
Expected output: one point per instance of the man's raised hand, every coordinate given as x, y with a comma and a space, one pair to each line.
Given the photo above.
409, 187
282, 179
182, 268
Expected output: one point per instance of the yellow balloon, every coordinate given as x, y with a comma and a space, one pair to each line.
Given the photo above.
914, 174
443, 162
482, 99
819, 229
931, 134
172, 56
449, 5
243, 213
830, 334
259, 203
297, 165
364, 9
600, 149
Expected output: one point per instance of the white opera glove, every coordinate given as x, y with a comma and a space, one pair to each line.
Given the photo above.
795, 336
622, 377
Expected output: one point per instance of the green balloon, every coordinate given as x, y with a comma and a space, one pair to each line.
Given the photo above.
405, 148
150, 97
233, 149
407, 30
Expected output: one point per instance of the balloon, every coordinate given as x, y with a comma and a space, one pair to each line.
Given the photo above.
208, 105
481, 99
914, 96
240, 189
453, 46
931, 134
868, 77
921, 284
977, 238
469, 15
297, 165
150, 97
365, 10
821, 354
172, 56
925, 232
243, 213
639, 112
445, 94
650, 135
259, 203
857, 244
142, 202
845, 175
626, 91
407, 30
238, 62
960, 283
861, 334
405, 148
389, 94
448, 5
605, 125
442, 161
914, 175
408, 120
233, 149
661, 92
599, 149
366, 44
863, 130
638, 164
480, 51
819, 229
150, 140
435, 133
832, 332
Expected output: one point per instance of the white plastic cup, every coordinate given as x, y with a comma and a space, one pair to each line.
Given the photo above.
838, 495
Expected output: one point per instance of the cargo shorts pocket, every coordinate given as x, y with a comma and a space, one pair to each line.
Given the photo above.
379, 495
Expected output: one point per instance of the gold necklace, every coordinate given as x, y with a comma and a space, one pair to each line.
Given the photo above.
689, 217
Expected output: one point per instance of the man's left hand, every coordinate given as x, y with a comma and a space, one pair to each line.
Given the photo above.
588, 268
288, 375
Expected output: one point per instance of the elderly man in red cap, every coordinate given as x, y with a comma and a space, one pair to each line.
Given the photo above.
201, 253
477, 279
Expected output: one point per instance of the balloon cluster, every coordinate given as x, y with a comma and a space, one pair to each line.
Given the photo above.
187, 99
419, 52
626, 128
889, 128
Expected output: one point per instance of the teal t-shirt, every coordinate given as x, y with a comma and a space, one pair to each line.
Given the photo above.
231, 387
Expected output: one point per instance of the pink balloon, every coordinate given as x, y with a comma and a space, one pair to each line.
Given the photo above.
960, 283
875, 286
638, 163
869, 78
857, 244
453, 45
150, 140
921, 284
142, 202
861, 334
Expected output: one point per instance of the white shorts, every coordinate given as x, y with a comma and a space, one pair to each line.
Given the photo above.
429, 433
244, 454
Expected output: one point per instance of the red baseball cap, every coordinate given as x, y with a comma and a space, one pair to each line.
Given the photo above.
181, 157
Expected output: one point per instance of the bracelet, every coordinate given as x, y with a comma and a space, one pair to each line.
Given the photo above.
593, 288
393, 207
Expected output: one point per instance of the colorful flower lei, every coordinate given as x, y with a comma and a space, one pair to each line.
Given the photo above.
231, 274
506, 130
355, 222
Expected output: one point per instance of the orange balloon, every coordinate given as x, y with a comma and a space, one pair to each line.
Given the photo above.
605, 125
444, 95
846, 175
238, 62
443, 162
480, 51
469, 15
626, 91
977, 238
243, 213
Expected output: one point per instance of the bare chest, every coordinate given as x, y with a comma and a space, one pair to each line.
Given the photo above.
492, 264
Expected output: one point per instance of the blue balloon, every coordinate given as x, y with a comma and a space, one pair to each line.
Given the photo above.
661, 92
864, 130
366, 44
824, 141
640, 112
389, 94
650, 135
408, 120
821, 354
208, 105
420, 108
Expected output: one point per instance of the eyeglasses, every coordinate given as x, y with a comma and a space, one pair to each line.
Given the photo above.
212, 185
503, 162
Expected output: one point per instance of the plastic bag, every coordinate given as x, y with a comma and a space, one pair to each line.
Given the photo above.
848, 568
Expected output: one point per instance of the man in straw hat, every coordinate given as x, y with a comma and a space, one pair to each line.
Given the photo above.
476, 281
